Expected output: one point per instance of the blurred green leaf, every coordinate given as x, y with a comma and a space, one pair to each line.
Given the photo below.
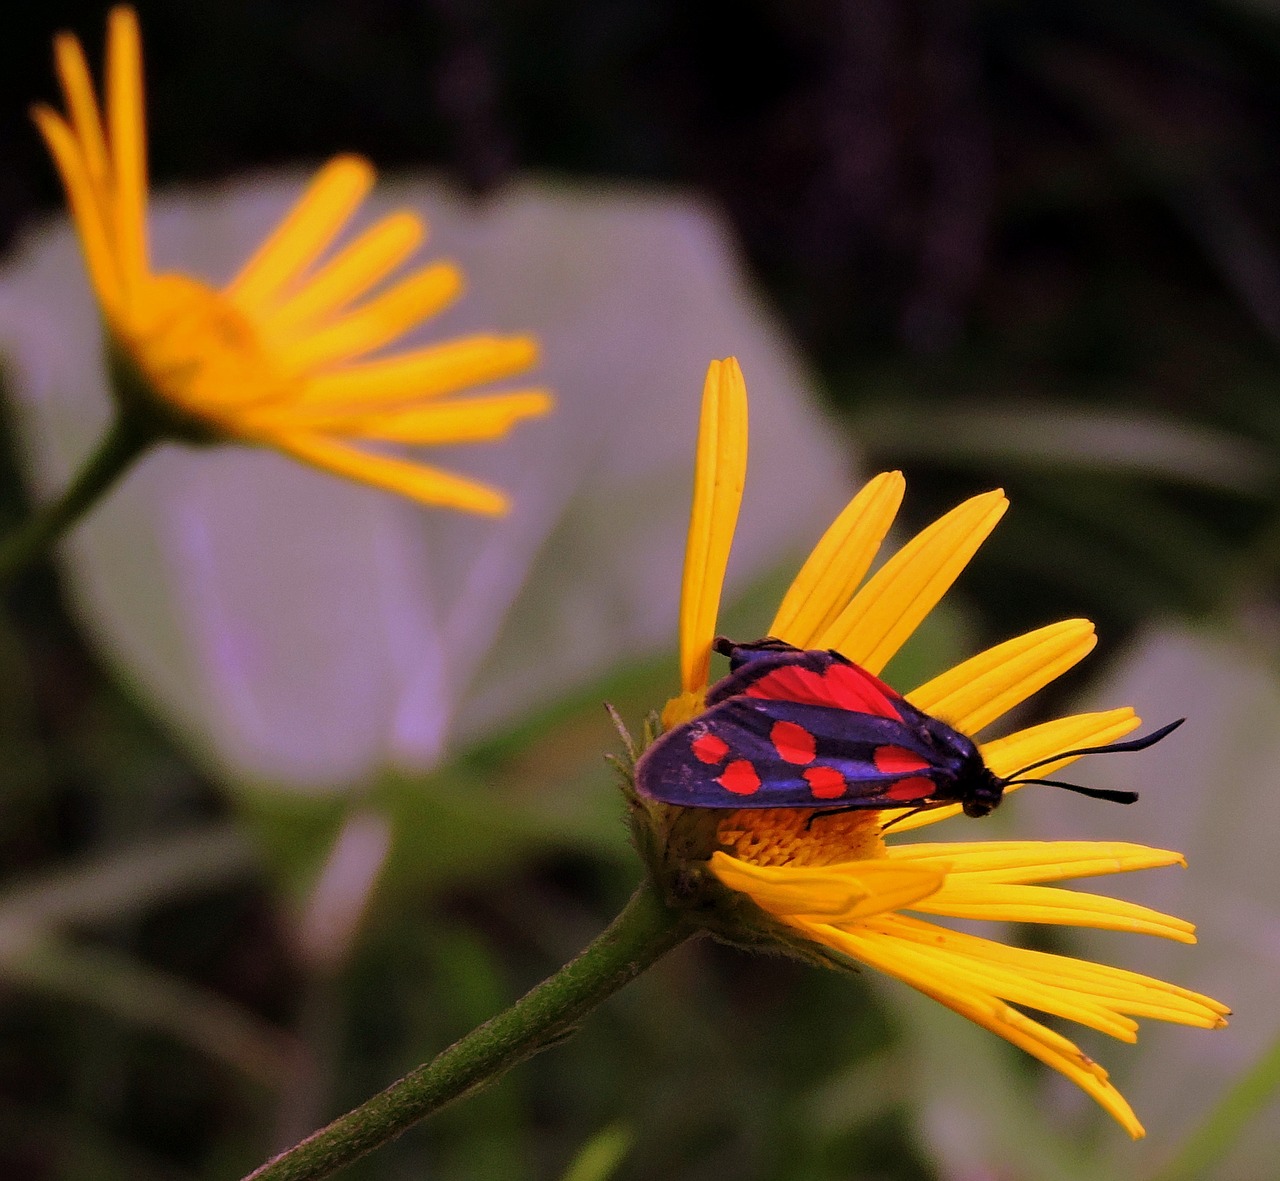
490, 1128
1046, 436
601, 1156
123, 883
1201, 1151
146, 998
1122, 543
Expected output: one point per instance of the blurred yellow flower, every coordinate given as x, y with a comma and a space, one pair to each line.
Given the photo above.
284, 355
837, 884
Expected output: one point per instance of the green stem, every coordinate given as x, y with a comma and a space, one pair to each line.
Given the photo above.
645, 931
127, 439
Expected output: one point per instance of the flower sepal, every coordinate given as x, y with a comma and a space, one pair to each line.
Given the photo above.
149, 413
677, 845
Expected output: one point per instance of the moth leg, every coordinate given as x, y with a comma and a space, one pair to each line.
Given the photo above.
907, 815
840, 811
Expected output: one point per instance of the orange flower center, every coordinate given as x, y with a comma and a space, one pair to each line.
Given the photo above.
199, 351
785, 836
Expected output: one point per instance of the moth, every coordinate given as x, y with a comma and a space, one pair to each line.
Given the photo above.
796, 728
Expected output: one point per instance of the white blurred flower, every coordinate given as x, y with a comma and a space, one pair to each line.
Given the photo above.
305, 633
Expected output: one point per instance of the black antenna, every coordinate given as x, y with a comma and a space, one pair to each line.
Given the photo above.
1111, 748
1096, 793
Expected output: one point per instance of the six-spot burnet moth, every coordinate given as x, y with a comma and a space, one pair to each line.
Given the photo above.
789, 728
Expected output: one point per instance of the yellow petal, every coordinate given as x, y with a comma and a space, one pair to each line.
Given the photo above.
127, 136
897, 959
909, 585
455, 420
237, 361
845, 893
87, 213
1000, 902
355, 269
335, 193
82, 112
1006, 755
985, 687
838, 563
428, 485
459, 420
1024, 862
381, 320
719, 476
424, 373
992, 978
1124, 991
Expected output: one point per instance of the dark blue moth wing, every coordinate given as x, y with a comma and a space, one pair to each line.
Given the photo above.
792, 728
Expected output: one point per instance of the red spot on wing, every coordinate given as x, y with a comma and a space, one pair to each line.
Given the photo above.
897, 760
793, 742
826, 783
840, 686
740, 778
915, 788
709, 748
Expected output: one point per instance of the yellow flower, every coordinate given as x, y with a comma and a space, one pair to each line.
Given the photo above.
285, 355
837, 884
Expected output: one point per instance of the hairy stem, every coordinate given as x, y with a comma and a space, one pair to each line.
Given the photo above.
645, 931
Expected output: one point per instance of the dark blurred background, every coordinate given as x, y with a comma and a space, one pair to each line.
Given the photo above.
1063, 207
1029, 244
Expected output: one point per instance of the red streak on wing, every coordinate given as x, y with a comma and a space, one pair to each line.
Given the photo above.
841, 686
740, 778
709, 748
896, 760
793, 743
826, 783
